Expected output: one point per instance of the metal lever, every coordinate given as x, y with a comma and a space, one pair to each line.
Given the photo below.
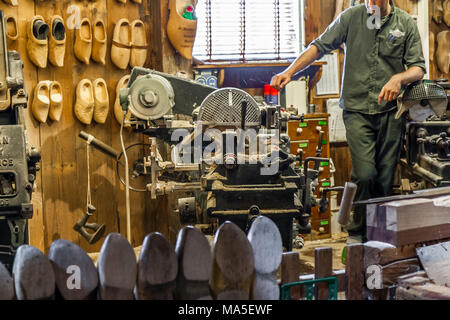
81, 227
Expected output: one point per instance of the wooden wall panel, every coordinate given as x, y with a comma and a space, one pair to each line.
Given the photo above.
60, 194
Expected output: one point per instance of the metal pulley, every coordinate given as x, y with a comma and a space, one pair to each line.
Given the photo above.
150, 97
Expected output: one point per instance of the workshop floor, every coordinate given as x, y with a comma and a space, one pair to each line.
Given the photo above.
337, 242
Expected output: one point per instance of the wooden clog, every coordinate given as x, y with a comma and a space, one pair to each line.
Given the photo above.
12, 31
84, 104
446, 15
41, 101
37, 43
56, 101
443, 51
101, 99
121, 44
138, 44
99, 41
57, 41
83, 41
180, 31
437, 11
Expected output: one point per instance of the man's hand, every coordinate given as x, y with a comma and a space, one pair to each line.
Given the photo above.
391, 90
279, 81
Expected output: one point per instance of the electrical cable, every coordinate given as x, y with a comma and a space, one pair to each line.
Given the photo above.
127, 180
118, 162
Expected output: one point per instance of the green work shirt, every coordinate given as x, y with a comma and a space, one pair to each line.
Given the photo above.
372, 56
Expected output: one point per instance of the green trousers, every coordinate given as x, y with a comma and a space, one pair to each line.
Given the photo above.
374, 142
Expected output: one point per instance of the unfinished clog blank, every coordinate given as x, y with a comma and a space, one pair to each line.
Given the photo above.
180, 31
138, 44
84, 105
56, 101
117, 269
101, 99
232, 263
121, 44
37, 43
99, 41
33, 275
157, 269
83, 41
41, 101
75, 273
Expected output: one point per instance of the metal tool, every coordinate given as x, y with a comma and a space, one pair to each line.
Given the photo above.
82, 227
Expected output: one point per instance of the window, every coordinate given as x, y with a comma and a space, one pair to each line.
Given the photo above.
247, 30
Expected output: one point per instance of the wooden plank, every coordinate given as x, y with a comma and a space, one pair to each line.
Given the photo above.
381, 253
390, 272
424, 292
404, 222
354, 270
290, 272
233, 264
323, 268
413, 279
436, 262
194, 265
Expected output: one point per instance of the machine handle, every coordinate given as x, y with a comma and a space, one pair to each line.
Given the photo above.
347, 203
103, 147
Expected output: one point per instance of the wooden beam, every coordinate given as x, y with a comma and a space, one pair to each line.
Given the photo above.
382, 253
405, 222
354, 269
290, 272
323, 265
390, 272
436, 262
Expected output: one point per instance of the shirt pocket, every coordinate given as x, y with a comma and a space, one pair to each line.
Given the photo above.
393, 50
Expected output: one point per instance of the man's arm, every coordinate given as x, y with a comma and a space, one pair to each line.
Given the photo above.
391, 90
279, 81
329, 40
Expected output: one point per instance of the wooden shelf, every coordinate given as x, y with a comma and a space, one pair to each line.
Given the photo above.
228, 65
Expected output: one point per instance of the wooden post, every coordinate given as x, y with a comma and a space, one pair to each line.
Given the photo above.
323, 265
290, 272
354, 270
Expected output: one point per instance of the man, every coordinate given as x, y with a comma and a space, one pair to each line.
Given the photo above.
383, 54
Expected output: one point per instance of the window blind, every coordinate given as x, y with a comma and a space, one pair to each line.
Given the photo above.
247, 30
